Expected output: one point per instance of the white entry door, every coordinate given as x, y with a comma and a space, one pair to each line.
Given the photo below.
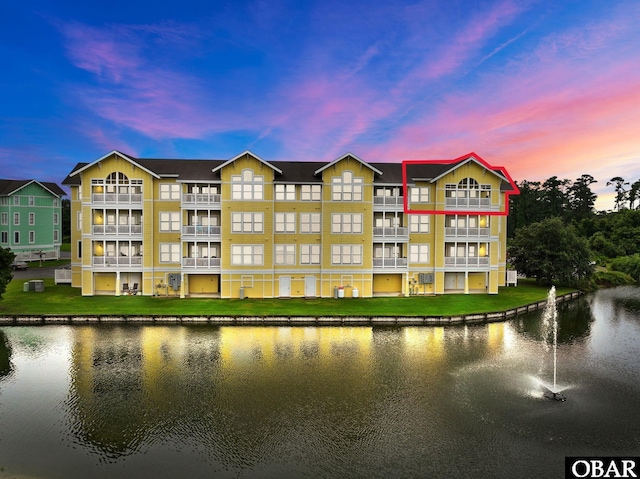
285, 286
310, 286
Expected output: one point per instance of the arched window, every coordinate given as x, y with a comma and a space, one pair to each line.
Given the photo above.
346, 187
247, 186
468, 184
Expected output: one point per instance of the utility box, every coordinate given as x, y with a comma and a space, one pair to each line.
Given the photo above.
242, 293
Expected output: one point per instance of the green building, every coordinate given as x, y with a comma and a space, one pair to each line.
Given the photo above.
31, 218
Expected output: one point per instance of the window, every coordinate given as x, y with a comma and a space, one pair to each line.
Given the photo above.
170, 221
309, 254
170, 191
247, 223
32, 201
346, 223
16, 237
80, 249
79, 220
285, 223
169, 252
285, 254
32, 237
56, 236
247, 255
55, 202
419, 194
419, 224
285, 192
419, 253
346, 254
16, 200
32, 219
247, 186
55, 218
16, 219
4, 200
310, 193
346, 187
4, 218
4, 237
310, 223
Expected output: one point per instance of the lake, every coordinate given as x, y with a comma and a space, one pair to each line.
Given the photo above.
131, 401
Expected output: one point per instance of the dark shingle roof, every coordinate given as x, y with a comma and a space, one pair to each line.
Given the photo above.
8, 187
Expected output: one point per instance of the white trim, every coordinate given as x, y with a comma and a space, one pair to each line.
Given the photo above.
246, 152
121, 155
375, 170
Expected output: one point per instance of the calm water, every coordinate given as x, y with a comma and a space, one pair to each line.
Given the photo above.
199, 401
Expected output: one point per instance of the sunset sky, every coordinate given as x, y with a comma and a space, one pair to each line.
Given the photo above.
543, 88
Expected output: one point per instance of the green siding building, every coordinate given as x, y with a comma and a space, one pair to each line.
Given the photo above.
31, 218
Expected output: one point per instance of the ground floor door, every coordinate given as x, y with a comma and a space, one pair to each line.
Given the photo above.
310, 286
285, 286
454, 281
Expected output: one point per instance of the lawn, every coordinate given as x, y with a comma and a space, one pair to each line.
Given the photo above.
65, 300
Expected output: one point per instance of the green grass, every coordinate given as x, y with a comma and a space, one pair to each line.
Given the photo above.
65, 300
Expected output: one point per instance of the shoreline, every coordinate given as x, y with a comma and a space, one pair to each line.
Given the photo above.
241, 320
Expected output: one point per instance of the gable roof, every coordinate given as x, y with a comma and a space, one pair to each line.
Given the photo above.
248, 153
128, 158
10, 187
346, 155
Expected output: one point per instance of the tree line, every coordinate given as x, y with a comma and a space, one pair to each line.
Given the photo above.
556, 235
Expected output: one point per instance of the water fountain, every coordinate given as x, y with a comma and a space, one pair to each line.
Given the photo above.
550, 320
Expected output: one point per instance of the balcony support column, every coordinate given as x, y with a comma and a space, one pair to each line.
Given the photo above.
182, 285
466, 282
118, 283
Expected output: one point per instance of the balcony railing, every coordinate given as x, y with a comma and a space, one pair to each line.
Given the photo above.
108, 261
201, 199
390, 263
116, 198
208, 263
468, 202
394, 201
466, 261
206, 231
467, 232
117, 229
390, 231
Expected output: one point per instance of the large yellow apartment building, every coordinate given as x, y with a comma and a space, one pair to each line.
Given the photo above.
247, 227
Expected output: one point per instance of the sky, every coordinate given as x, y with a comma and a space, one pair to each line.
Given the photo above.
543, 88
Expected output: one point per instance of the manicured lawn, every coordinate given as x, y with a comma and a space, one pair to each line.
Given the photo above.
65, 300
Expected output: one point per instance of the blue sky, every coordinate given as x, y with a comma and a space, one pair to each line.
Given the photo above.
541, 88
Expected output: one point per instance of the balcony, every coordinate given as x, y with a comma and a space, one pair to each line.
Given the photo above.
201, 199
388, 202
467, 232
119, 261
210, 232
124, 230
465, 261
201, 263
392, 232
116, 198
390, 263
468, 202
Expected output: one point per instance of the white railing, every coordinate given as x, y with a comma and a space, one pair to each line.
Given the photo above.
107, 261
388, 200
201, 199
389, 262
473, 232
390, 231
201, 262
466, 261
37, 255
117, 229
201, 230
468, 202
116, 198
62, 275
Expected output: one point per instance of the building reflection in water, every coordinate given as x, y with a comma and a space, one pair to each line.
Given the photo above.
5, 356
235, 393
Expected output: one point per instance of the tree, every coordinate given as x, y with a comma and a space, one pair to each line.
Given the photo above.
621, 193
551, 252
66, 220
6, 258
581, 198
634, 194
555, 198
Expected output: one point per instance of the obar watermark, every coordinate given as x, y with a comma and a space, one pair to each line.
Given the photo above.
601, 467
